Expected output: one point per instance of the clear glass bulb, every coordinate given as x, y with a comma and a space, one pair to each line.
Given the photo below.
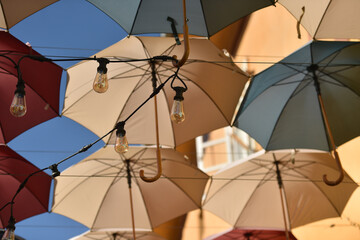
18, 105
177, 111
101, 83
121, 144
9, 234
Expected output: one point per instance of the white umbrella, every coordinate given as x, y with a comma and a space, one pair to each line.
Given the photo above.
246, 194
326, 19
118, 234
95, 191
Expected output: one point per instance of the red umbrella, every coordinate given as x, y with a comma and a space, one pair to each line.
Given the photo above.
251, 234
42, 85
33, 199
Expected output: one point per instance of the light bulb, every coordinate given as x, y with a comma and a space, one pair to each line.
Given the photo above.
177, 111
101, 83
9, 234
121, 143
18, 105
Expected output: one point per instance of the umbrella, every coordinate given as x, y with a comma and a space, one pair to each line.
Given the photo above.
308, 100
121, 234
42, 84
214, 85
246, 193
326, 19
14, 170
13, 11
250, 234
95, 191
205, 18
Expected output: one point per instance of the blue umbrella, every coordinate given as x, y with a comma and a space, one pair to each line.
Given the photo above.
308, 100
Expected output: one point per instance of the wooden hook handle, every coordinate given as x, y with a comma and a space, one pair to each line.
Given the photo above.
186, 42
341, 171
158, 152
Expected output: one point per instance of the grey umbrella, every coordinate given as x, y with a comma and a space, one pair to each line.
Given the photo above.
310, 100
205, 17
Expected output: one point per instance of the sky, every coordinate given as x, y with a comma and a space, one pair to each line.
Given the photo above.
66, 28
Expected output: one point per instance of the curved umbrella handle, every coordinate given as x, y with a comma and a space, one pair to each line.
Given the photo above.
158, 152
299, 21
341, 171
186, 42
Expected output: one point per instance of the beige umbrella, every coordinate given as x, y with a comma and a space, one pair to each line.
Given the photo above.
326, 19
246, 194
104, 190
213, 81
117, 234
13, 11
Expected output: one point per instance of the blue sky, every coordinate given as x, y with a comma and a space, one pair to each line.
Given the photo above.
66, 28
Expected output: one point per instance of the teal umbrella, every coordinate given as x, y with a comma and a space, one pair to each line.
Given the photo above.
205, 17
309, 100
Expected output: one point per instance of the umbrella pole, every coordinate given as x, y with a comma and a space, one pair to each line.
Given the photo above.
158, 152
313, 68
127, 161
280, 183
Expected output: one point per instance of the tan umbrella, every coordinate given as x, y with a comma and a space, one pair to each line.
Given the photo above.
246, 194
13, 11
214, 85
117, 234
101, 190
327, 19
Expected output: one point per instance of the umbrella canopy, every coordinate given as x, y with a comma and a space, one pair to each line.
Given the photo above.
281, 108
327, 19
205, 17
13, 11
121, 234
95, 191
14, 169
246, 193
250, 234
214, 85
42, 84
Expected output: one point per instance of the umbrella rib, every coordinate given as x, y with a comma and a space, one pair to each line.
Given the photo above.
340, 84
203, 14
135, 17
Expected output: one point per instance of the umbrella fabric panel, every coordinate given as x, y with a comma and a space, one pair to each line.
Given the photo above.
205, 17
14, 170
13, 11
327, 19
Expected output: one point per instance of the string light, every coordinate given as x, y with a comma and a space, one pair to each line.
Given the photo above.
101, 82
121, 143
177, 110
18, 104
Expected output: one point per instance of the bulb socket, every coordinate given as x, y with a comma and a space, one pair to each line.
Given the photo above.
179, 93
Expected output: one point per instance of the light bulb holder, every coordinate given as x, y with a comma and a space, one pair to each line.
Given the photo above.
55, 171
11, 223
120, 131
179, 93
102, 65
20, 87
